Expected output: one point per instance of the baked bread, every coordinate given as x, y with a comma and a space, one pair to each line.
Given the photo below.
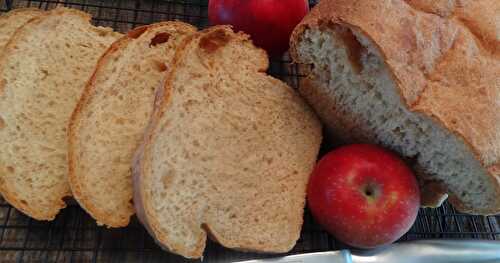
228, 151
418, 76
11, 21
43, 71
109, 121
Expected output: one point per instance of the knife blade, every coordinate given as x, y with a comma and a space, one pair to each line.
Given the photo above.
341, 256
421, 251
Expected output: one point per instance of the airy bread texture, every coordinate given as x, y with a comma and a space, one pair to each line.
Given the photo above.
228, 151
42, 74
13, 20
111, 117
420, 77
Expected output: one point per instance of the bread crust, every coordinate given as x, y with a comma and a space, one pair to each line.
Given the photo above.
18, 11
10, 196
142, 158
75, 181
21, 11
444, 57
4, 18
142, 161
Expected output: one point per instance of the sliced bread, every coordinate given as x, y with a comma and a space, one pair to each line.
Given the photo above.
11, 21
420, 77
228, 151
43, 71
110, 119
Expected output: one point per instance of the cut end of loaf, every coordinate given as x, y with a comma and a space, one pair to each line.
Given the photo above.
354, 93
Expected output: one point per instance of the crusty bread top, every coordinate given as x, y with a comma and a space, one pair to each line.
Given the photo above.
228, 152
111, 117
12, 20
444, 56
43, 71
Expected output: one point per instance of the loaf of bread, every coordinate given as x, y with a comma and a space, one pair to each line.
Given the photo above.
43, 71
11, 21
418, 76
228, 151
110, 119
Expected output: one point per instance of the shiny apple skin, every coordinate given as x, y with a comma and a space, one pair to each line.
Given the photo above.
364, 195
269, 22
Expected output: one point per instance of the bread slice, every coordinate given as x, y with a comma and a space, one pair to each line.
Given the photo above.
11, 21
420, 77
228, 152
110, 119
42, 74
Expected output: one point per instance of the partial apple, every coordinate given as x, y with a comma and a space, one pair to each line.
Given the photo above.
364, 195
269, 22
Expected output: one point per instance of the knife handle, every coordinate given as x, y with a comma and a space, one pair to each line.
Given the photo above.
435, 251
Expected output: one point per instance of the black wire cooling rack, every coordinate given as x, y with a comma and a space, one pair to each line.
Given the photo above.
75, 237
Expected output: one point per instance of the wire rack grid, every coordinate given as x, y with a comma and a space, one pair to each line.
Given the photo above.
74, 237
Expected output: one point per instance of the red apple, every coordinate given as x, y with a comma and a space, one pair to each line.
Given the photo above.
364, 195
269, 22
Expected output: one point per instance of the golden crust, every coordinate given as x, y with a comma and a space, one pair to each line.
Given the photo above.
5, 18
75, 181
142, 157
444, 56
209, 41
21, 11
10, 196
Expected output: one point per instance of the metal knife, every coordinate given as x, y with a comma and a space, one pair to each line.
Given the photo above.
422, 251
